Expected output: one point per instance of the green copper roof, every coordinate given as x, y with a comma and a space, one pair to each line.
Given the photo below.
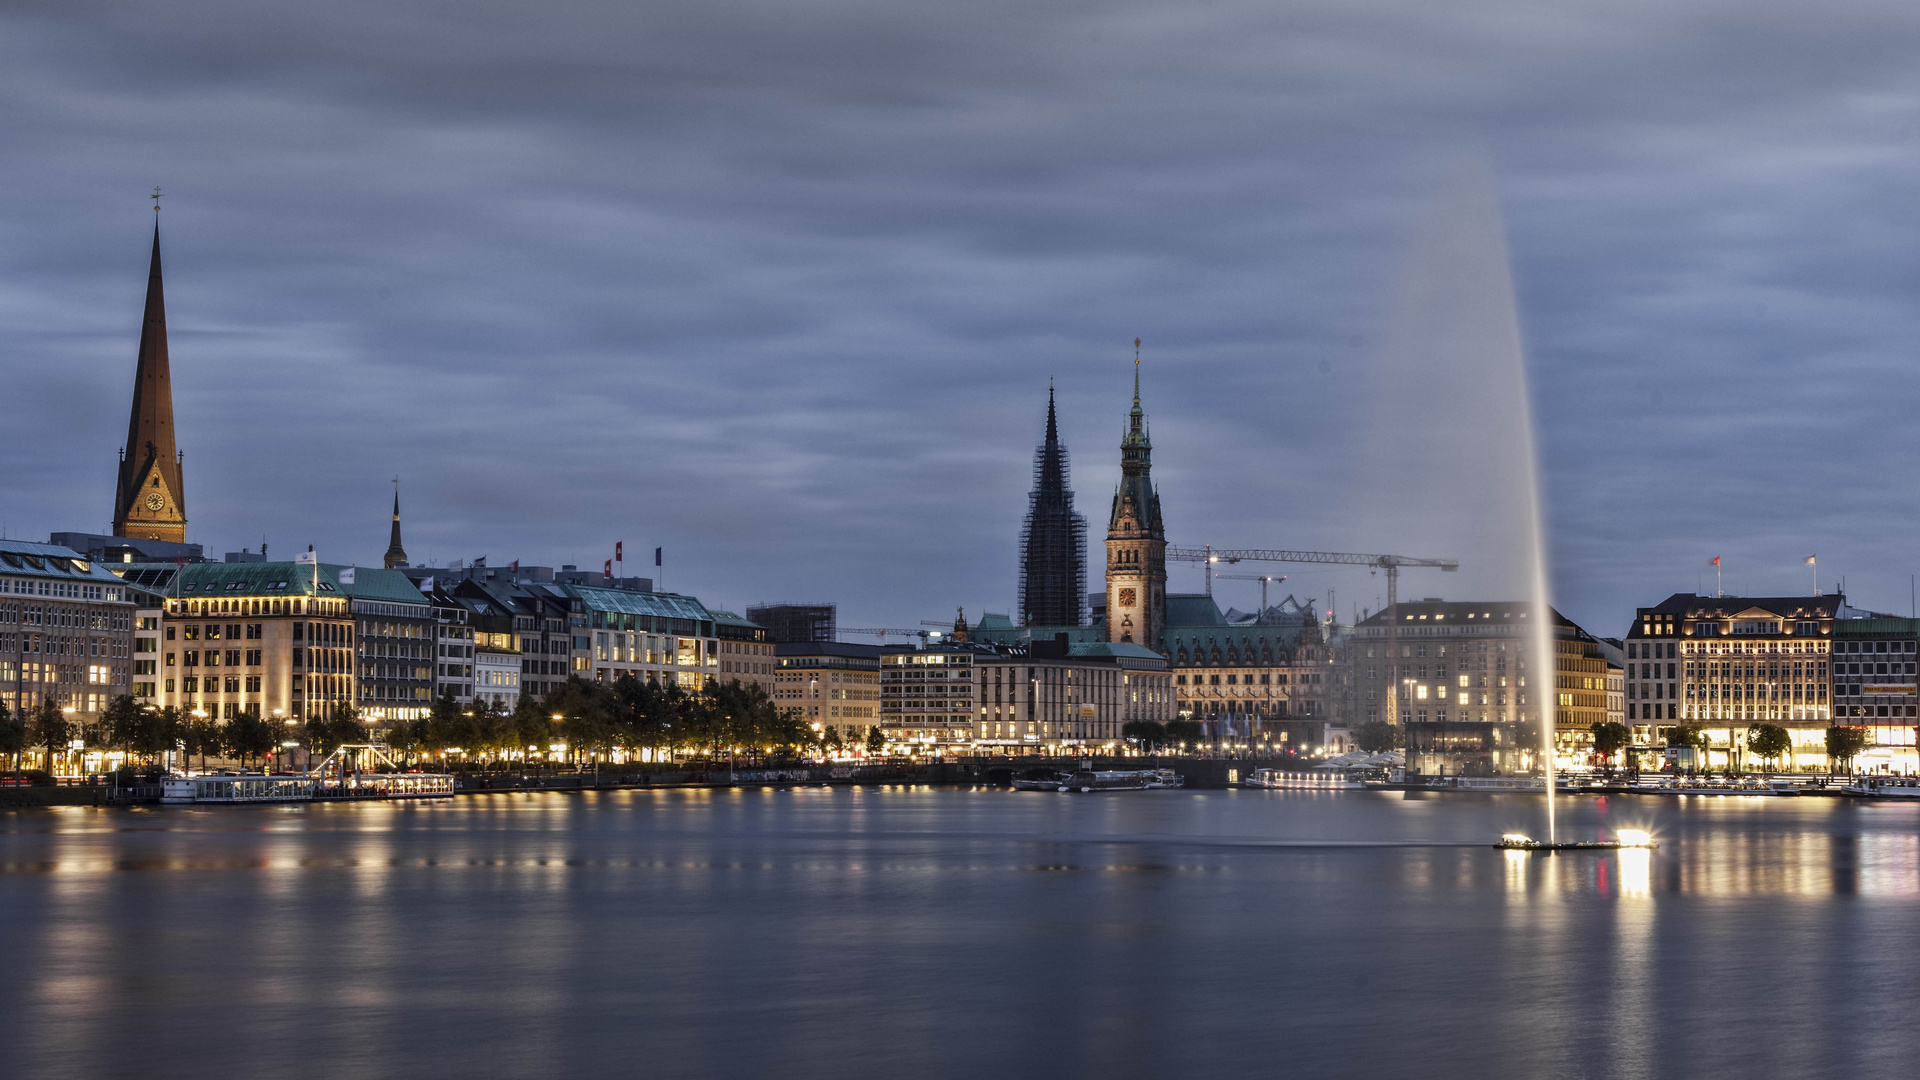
291, 579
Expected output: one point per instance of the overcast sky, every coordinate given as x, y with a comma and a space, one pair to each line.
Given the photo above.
779, 286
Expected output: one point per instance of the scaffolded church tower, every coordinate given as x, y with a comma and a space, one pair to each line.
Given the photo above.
1053, 542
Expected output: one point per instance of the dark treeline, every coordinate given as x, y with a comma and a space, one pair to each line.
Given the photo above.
592, 721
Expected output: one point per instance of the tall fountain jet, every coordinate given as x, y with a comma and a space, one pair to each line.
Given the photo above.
1449, 461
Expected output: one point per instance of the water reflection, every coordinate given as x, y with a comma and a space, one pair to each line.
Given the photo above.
757, 932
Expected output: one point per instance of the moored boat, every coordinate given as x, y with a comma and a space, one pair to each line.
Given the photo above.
1884, 787
1126, 780
1329, 780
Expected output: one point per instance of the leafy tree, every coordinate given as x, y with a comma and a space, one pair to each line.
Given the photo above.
1844, 744
121, 725
876, 741
1378, 737
49, 728
1610, 737
159, 731
1185, 732
1769, 741
248, 736
13, 734
202, 736
403, 738
1686, 737
344, 721
1146, 734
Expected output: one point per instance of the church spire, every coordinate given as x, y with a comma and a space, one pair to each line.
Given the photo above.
150, 496
396, 555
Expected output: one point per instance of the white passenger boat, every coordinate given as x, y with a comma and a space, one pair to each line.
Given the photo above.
1165, 778
241, 788
1487, 783
1884, 787
1309, 781
1687, 785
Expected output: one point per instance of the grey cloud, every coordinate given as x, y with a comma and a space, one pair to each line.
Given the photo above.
780, 286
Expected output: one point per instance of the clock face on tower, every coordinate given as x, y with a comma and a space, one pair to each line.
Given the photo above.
1126, 597
155, 501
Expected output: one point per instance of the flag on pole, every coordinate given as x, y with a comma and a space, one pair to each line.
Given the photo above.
618, 547
1716, 560
306, 558
656, 556
426, 585
1810, 560
515, 568
346, 576
609, 570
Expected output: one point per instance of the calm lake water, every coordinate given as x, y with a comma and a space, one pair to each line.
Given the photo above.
925, 932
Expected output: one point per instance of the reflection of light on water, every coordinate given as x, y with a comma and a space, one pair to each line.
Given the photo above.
1634, 977
1516, 871
1636, 872
1889, 864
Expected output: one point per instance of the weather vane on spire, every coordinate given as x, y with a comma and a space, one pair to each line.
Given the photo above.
156, 198
1136, 341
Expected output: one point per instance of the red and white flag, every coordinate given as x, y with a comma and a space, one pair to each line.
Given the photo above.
1716, 560
609, 570
618, 545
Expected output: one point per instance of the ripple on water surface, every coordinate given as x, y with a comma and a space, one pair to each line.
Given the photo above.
912, 931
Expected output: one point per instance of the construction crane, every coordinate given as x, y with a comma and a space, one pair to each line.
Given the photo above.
1263, 579
1209, 555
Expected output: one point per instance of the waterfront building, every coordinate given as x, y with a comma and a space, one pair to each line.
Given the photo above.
926, 695
1042, 696
1469, 689
277, 637
1260, 683
1875, 689
1136, 607
1053, 540
453, 644
150, 500
395, 635
496, 648
66, 630
830, 685
1728, 662
664, 638
746, 651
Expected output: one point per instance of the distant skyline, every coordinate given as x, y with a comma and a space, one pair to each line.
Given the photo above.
779, 288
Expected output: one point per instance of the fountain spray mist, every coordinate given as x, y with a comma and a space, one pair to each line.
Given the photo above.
1448, 464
